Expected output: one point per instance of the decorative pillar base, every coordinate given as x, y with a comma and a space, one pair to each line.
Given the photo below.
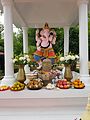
8, 80
85, 79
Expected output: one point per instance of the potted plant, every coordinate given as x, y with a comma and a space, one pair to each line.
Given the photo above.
68, 61
21, 60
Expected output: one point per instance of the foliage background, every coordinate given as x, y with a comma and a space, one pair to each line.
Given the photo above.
58, 47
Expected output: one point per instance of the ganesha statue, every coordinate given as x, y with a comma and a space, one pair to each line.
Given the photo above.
45, 38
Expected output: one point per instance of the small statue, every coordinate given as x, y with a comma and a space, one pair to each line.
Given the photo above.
45, 38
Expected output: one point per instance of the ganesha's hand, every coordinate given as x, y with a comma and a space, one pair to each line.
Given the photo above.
54, 40
37, 31
39, 48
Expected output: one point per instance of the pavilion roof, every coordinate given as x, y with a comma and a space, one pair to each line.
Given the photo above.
34, 13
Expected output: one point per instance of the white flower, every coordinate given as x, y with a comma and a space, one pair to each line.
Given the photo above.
26, 56
24, 61
31, 65
76, 56
28, 60
72, 57
62, 59
14, 60
68, 57
21, 58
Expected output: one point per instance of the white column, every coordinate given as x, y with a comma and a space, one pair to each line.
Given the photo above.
8, 43
25, 47
25, 40
66, 40
83, 40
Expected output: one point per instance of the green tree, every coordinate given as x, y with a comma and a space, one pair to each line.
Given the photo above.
18, 43
31, 40
59, 46
1, 39
31, 37
1, 44
74, 39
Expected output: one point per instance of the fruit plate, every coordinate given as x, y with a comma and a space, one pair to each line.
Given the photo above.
79, 88
65, 88
16, 90
4, 89
49, 88
34, 88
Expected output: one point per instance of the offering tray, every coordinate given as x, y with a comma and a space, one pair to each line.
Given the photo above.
17, 86
78, 84
50, 86
35, 84
3, 88
16, 90
47, 76
79, 87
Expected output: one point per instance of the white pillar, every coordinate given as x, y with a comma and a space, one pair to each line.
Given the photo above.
25, 40
83, 40
8, 43
66, 40
25, 47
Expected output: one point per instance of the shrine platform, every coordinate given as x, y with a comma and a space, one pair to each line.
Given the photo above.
56, 104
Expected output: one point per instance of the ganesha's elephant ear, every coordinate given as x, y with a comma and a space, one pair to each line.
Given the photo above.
42, 32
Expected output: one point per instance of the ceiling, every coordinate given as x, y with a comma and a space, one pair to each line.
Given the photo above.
34, 13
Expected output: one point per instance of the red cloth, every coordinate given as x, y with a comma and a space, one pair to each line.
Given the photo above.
46, 52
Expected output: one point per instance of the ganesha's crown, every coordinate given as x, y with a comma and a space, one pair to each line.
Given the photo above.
46, 26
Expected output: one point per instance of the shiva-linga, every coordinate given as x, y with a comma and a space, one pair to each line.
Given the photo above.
44, 41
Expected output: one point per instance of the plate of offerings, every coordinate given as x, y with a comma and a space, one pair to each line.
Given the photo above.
35, 84
50, 86
77, 84
63, 84
17, 86
4, 87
